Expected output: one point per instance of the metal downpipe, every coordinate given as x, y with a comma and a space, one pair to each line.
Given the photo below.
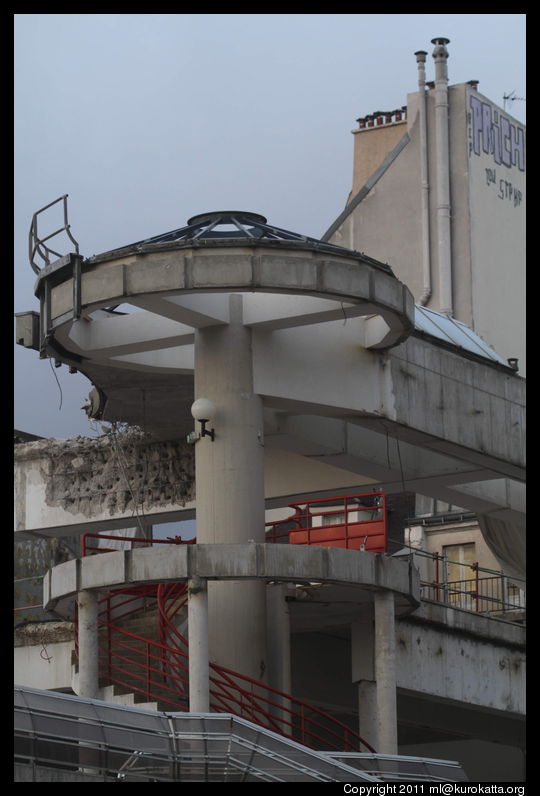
424, 178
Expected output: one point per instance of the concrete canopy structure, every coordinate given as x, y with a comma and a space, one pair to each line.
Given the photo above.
341, 377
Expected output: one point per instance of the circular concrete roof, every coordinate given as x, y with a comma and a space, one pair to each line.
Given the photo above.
179, 282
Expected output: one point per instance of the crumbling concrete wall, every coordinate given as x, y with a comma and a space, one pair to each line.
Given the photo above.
120, 473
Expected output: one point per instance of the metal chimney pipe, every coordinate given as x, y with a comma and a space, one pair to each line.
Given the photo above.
440, 56
424, 178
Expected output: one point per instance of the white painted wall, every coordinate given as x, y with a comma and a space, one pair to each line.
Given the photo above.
497, 207
33, 669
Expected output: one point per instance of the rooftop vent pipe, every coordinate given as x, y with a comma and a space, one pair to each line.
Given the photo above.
440, 56
424, 178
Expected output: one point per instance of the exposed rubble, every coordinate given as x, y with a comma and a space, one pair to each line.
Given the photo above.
121, 470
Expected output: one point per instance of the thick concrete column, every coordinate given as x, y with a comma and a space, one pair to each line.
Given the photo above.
373, 646
363, 673
199, 672
229, 477
278, 637
88, 644
368, 727
385, 672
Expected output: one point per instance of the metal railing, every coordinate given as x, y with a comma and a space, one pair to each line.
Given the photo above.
353, 522
159, 670
132, 542
160, 673
232, 692
484, 591
36, 245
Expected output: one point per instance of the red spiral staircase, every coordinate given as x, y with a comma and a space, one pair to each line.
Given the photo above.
142, 650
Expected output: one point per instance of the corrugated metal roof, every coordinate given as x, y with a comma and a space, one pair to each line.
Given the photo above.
454, 332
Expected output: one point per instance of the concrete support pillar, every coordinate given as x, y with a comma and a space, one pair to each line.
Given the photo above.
199, 672
385, 672
229, 473
363, 673
88, 644
373, 644
278, 637
368, 728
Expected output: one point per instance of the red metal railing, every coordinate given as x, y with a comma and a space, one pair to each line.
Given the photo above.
353, 522
134, 542
232, 692
159, 670
137, 664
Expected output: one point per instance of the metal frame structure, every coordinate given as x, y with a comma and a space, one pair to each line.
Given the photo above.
36, 244
78, 739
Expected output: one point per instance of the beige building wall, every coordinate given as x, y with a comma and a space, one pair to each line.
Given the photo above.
371, 147
383, 216
386, 223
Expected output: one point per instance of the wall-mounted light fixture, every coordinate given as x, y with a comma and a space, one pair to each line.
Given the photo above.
204, 410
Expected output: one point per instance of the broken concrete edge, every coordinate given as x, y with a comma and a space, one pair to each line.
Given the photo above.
38, 633
52, 446
113, 477
282, 563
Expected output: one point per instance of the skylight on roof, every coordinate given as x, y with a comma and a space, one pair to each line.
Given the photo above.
454, 332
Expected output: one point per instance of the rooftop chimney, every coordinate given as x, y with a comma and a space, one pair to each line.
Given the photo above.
440, 56
424, 177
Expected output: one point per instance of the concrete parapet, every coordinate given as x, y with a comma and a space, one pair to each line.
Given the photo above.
360, 573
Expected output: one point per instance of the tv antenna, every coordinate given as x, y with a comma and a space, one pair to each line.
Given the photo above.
511, 97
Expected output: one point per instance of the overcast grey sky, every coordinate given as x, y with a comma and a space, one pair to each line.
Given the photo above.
148, 119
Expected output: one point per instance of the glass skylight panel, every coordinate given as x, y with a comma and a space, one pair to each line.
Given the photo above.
455, 332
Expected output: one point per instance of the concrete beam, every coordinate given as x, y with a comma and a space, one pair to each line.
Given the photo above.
195, 311
383, 458
264, 313
419, 392
176, 361
124, 334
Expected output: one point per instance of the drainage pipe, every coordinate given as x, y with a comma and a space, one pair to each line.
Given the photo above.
440, 55
424, 178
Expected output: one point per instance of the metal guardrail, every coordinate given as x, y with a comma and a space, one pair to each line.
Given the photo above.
134, 542
36, 245
159, 670
353, 522
486, 591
